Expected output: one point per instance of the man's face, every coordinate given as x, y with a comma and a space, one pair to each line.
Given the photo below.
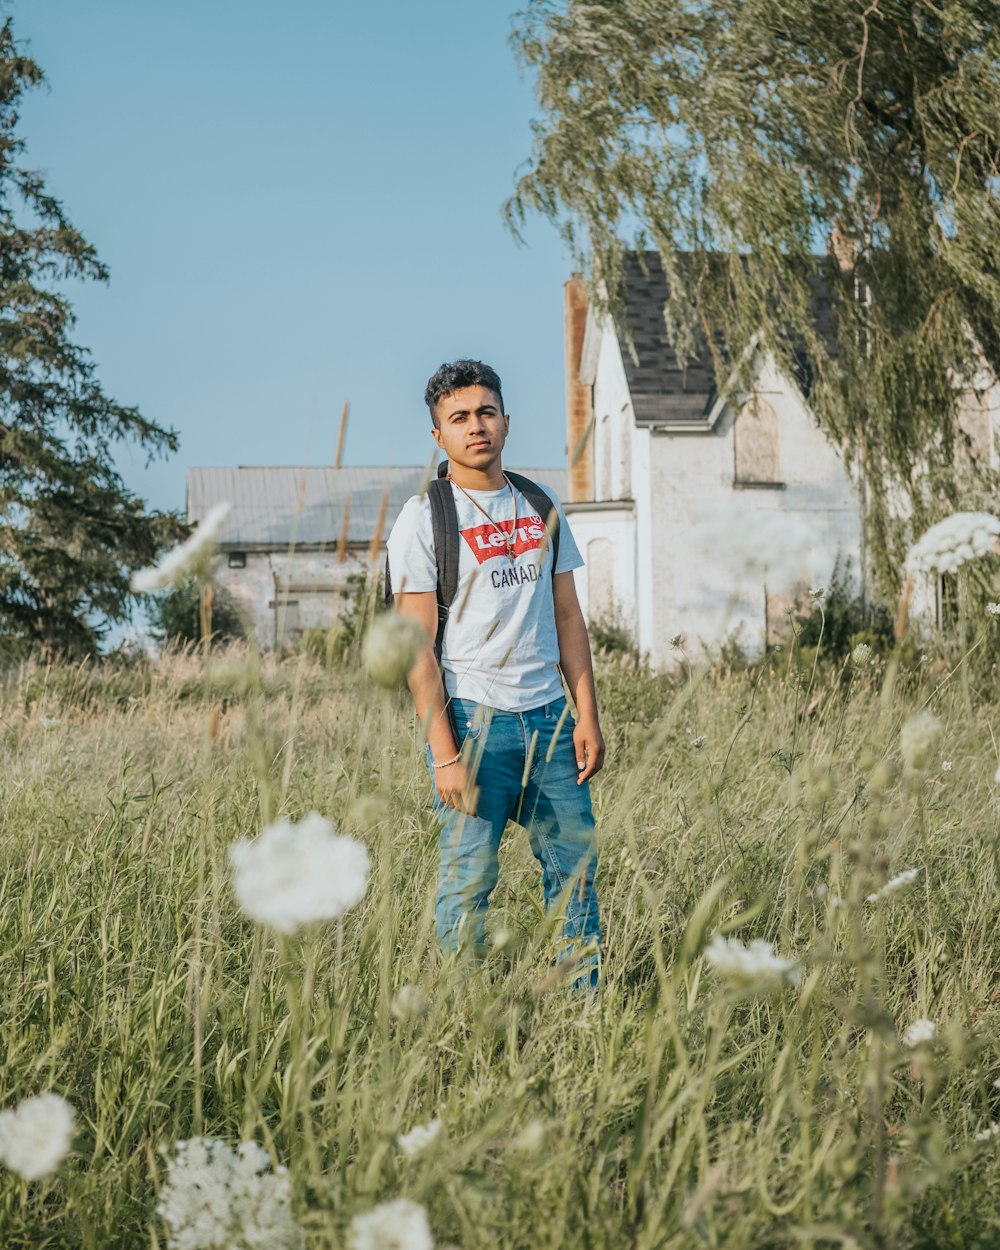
471, 429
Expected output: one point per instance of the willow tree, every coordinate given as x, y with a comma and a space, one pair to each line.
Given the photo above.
70, 531
763, 148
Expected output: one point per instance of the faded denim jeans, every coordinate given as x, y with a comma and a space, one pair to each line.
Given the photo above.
524, 764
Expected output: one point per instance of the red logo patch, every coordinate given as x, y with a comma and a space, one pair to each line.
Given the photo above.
485, 542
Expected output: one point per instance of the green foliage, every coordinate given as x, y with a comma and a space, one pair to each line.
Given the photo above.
69, 529
845, 619
341, 642
734, 136
175, 615
665, 1112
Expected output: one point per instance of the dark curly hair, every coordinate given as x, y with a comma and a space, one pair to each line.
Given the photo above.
455, 376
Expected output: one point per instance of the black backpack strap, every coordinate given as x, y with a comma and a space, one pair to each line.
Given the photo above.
444, 523
542, 504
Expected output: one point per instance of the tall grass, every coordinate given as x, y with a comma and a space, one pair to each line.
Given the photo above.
664, 1111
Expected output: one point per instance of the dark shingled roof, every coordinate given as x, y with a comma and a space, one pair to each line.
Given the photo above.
664, 393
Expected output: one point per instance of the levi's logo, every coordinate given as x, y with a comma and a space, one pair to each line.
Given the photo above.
486, 542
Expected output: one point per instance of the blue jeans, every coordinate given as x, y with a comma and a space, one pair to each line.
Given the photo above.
524, 764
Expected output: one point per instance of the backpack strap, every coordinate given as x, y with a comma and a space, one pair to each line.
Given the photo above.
542, 504
444, 524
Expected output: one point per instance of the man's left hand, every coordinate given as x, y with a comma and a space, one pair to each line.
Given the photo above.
589, 744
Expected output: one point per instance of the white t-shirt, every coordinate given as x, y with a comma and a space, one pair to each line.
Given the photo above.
500, 646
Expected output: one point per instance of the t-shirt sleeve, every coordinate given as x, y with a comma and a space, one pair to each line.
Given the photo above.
412, 562
569, 552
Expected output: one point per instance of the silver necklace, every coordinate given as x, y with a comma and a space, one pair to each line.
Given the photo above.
508, 539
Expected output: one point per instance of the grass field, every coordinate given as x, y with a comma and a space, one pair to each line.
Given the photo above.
668, 1110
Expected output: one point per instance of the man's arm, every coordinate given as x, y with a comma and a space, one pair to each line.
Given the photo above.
578, 670
453, 782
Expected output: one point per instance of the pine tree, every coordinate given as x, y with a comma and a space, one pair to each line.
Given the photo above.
767, 150
70, 531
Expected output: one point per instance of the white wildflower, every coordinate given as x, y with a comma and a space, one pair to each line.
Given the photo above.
894, 885
397, 1225
418, 1138
36, 1135
919, 1032
218, 1198
949, 544
996, 1083
754, 968
817, 592
993, 609
988, 1133
699, 742
502, 937
49, 722
947, 766
188, 557
917, 737
391, 648
531, 1138
861, 656
409, 1002
293, 874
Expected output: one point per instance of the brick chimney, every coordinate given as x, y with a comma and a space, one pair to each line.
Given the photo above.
579, 398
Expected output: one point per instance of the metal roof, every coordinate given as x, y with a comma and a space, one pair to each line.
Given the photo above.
274, 506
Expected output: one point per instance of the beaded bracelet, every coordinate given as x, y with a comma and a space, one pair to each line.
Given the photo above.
445, 763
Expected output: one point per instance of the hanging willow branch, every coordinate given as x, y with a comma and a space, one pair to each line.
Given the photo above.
818, 179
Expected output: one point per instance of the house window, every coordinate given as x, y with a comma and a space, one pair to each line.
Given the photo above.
947, 601
600, 580
755, 445
975, 427
237, 559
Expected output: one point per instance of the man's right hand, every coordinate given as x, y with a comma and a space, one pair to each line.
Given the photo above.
456, 788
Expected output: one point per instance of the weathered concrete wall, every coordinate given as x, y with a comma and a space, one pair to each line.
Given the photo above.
284, 594
676, 586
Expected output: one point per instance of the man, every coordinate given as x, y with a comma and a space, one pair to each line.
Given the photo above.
499, 742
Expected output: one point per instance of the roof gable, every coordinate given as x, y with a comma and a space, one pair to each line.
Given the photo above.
665, 393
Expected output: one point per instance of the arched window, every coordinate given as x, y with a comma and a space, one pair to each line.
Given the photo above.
755, 445
600, 579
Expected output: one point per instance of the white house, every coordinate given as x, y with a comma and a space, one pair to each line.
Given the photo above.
669, 459
296, 536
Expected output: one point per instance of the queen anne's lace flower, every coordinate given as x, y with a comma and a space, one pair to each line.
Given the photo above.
294, 874
397, 1225
917, 738
754, 968
919, 1032
217, 1198
988, 1133
188, 557
993, 609
949, 544
894, 885
699, 742
418, 1138
861, 656
391, 648
408, 1002
36, 1135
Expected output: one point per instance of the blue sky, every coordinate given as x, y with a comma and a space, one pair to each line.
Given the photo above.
300, 204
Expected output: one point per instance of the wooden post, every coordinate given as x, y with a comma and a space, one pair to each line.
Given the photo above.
344, 413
